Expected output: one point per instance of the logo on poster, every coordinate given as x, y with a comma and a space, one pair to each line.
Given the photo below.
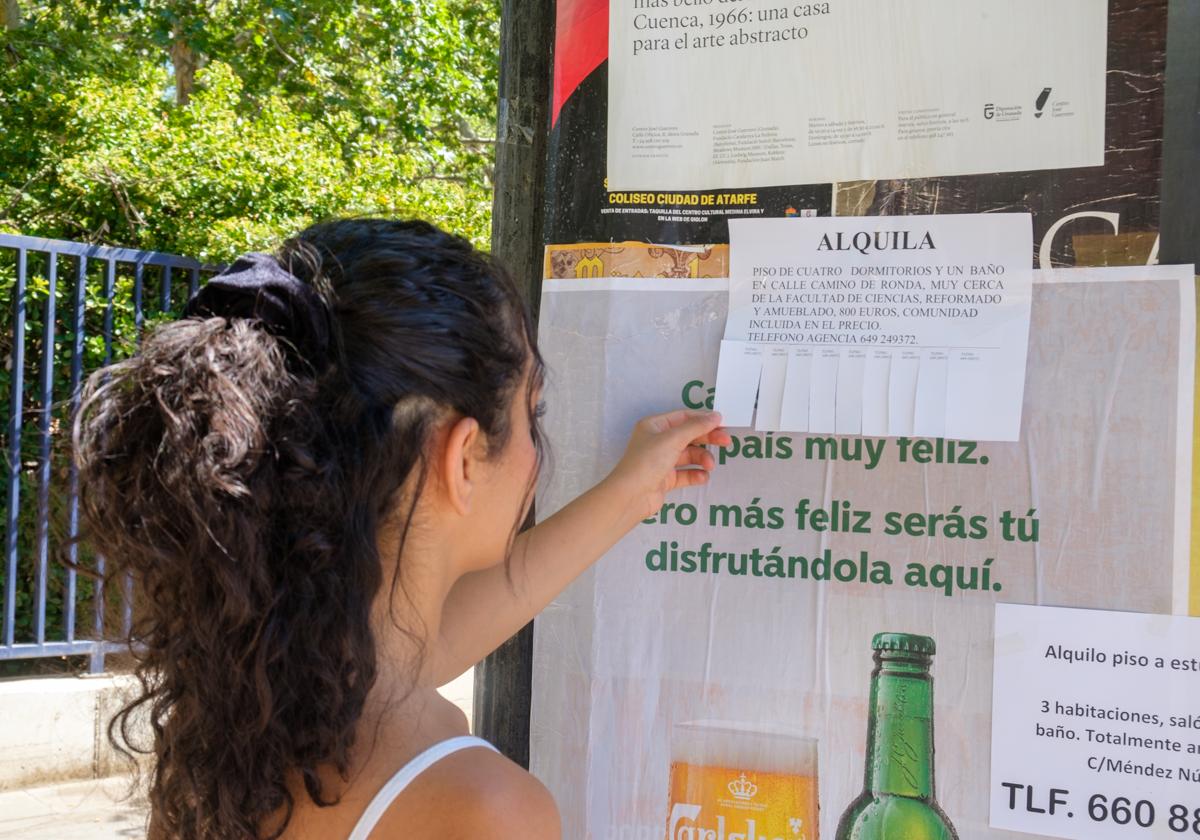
742, 788
1043, 97
683, 826
1003, 113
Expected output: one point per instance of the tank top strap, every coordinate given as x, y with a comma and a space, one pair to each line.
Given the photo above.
405, 776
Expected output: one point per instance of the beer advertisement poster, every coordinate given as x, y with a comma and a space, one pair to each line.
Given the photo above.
721, 673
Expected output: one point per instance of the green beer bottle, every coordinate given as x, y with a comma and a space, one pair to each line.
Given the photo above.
897, 802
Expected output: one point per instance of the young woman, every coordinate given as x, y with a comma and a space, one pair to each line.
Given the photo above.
316, 481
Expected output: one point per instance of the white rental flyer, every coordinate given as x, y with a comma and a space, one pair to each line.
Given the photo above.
714, 671
1107, 701
878, 325
758, 93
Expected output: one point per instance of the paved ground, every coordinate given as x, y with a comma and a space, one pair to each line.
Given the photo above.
101, 809
93, 810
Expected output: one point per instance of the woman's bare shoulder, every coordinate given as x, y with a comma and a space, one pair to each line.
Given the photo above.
474, 794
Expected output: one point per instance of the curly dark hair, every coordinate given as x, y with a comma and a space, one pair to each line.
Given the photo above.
242, 486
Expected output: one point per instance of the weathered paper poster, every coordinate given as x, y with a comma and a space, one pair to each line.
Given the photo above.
745, 663
1103, 214
755, 93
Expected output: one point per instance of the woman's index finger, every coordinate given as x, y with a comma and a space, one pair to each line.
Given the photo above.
690, 424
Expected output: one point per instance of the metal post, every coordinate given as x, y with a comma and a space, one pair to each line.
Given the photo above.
47, 409
80, 307
139, 320
96, 661
139, 314
503, 681
110, 290
14, 451
164, 301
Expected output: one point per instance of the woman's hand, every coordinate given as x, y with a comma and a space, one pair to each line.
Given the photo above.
667, 451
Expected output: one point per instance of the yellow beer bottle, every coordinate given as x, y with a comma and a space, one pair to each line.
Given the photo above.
897, 802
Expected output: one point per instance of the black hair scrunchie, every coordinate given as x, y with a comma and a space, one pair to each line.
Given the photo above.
256, 286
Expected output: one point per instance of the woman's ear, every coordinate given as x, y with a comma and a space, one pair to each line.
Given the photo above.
460, 463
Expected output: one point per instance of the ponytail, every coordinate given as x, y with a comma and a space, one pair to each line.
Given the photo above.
250, 630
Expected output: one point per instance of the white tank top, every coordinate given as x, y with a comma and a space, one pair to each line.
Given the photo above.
404, 777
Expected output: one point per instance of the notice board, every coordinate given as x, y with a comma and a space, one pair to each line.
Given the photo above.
715, 675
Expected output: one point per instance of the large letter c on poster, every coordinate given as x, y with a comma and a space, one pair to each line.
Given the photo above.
679, 813
1113, 219
695, 395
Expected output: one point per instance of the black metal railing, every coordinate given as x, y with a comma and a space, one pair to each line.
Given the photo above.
74, 308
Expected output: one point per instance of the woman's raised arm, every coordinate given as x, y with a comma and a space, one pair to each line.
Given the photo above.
665, 452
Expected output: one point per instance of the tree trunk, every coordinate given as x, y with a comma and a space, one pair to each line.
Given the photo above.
12, 14
503, 681
184, 61
522, 135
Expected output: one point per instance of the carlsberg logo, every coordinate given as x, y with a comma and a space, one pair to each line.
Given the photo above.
683, 827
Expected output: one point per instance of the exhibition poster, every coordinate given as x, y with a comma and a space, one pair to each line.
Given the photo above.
755, 93
1106, 213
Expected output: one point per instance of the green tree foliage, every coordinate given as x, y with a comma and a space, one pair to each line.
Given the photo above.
209, 128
